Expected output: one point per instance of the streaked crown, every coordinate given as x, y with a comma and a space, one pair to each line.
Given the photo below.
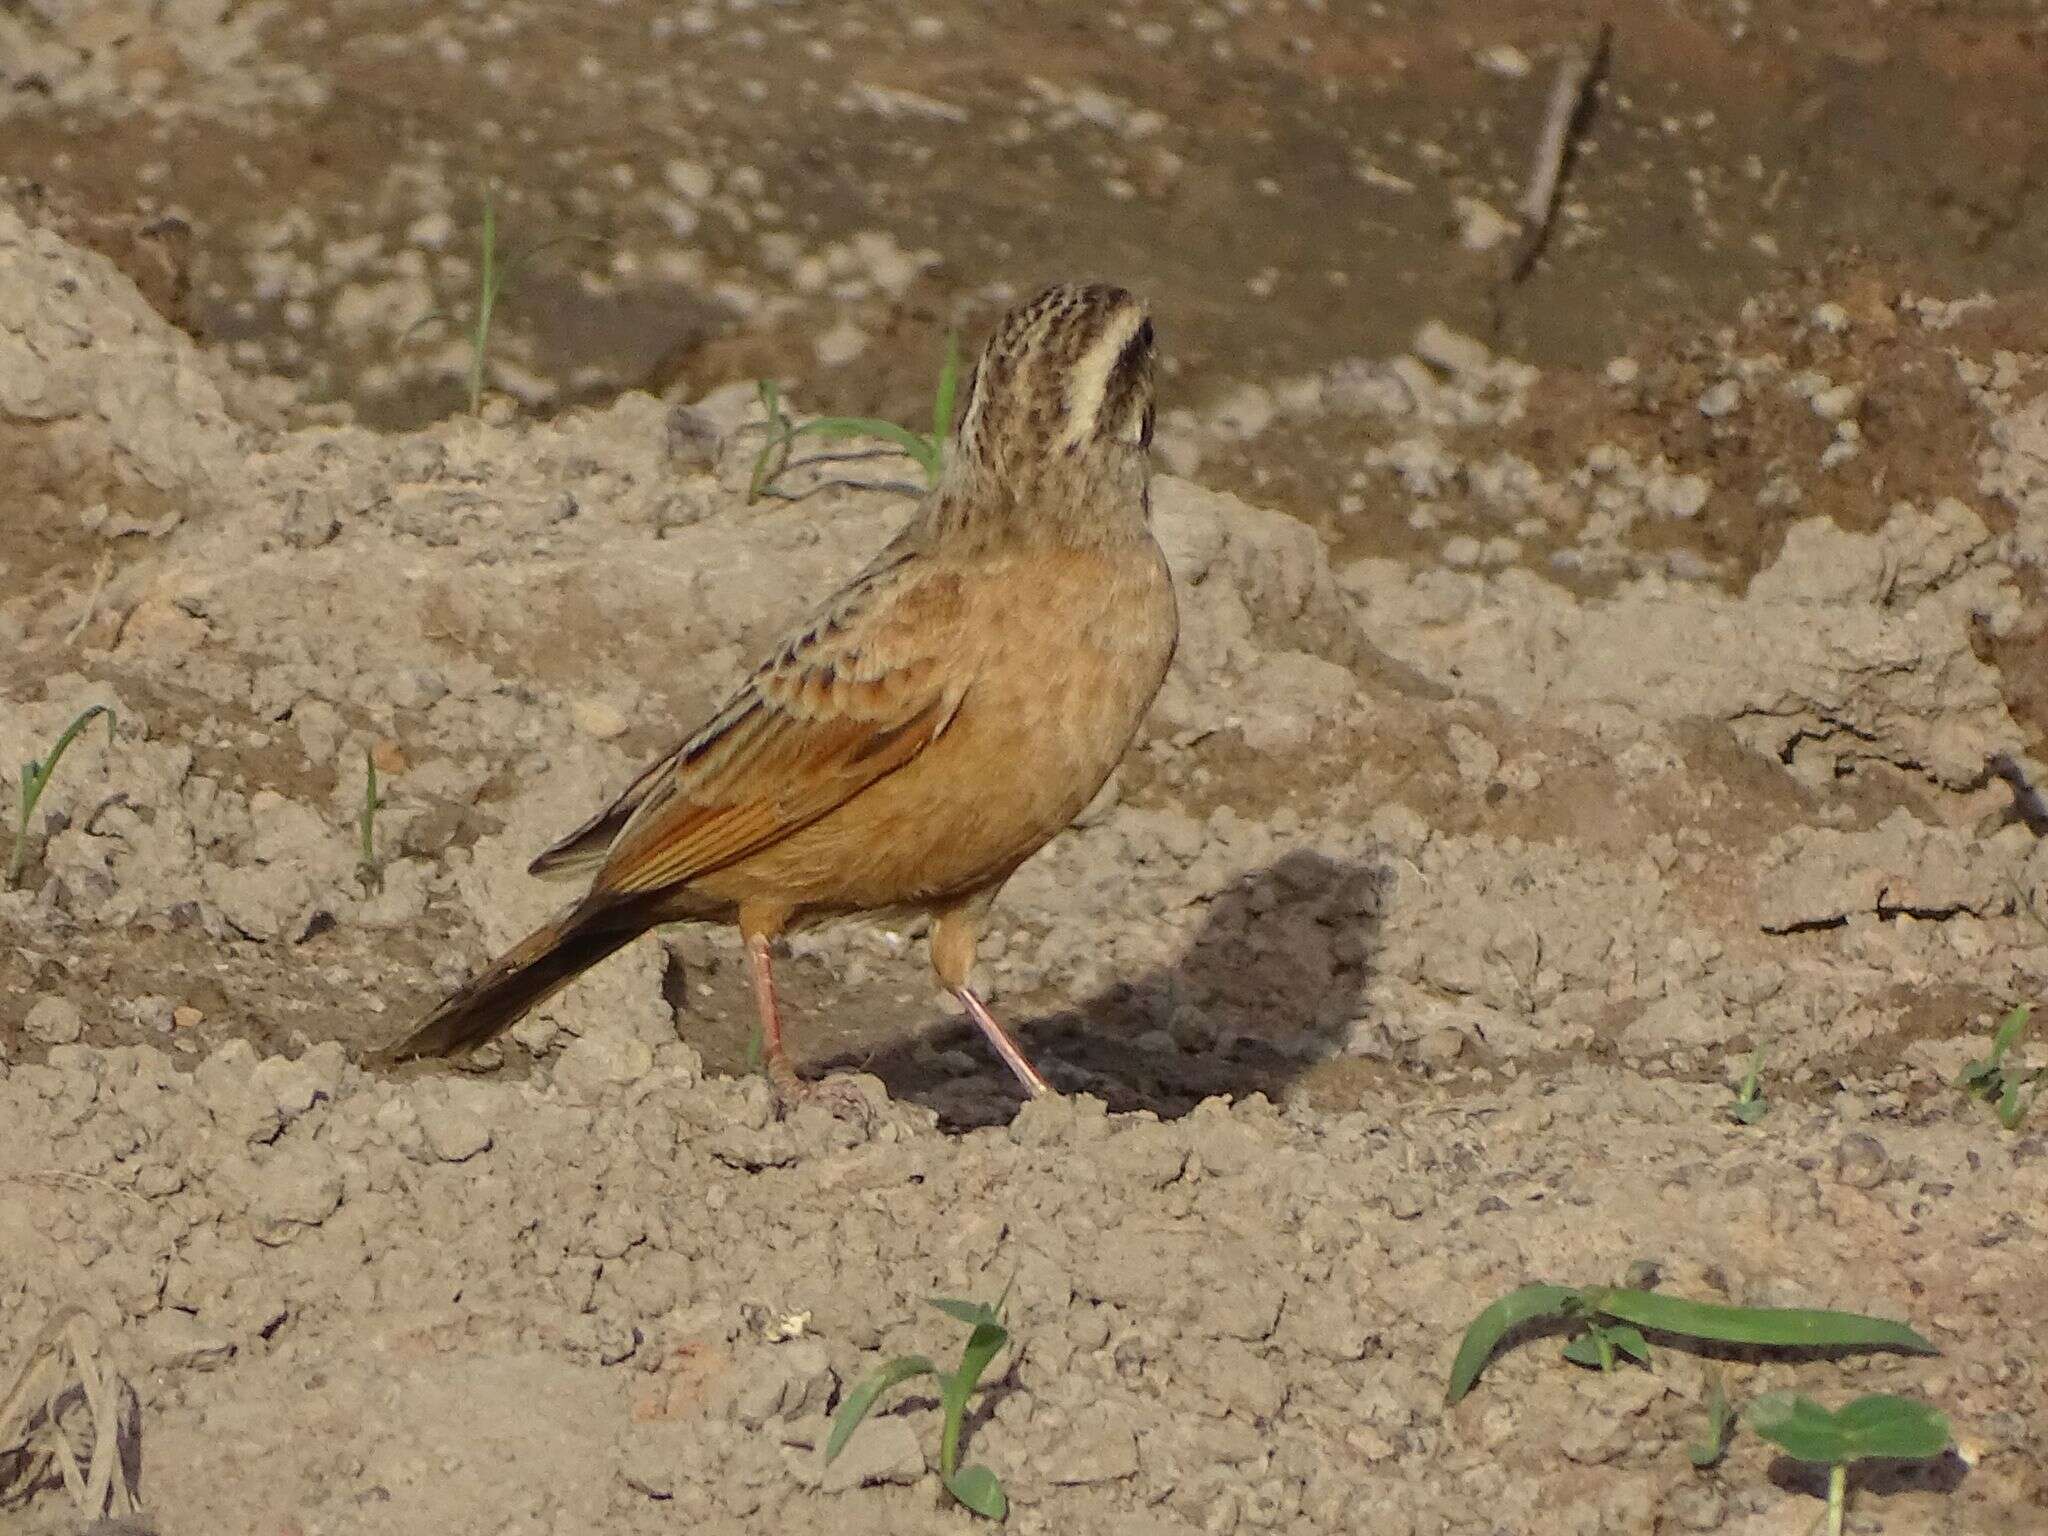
1061, 397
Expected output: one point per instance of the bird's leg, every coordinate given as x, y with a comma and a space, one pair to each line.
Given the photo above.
841, 1095
774, 1054
953, 936
1013, 1054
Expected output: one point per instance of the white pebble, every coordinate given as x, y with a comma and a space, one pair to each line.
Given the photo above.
1721, 398
688, 178
1835, 403
1504, 60
842, 344
1482, 226
1676, 496
1830, 317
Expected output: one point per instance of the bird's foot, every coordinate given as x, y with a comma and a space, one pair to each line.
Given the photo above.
848, 1096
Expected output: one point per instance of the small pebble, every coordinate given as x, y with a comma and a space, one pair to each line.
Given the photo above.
1830, 317
1503, 59
1861, 1161
1722, 398
453, 1134
54, 1021
1837, 402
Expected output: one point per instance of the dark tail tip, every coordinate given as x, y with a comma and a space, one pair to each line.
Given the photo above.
529, 973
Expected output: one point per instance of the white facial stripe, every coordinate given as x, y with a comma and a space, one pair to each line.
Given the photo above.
1088, 382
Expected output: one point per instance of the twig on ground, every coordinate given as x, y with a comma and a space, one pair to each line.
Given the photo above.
104, 570
1579, 75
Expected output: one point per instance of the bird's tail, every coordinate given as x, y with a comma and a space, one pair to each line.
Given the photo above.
522, 978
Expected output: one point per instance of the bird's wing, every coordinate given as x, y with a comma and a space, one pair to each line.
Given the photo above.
851, 698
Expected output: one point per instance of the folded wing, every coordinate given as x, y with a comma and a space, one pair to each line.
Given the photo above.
852, 698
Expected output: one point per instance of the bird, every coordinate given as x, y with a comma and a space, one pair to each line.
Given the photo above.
928, 728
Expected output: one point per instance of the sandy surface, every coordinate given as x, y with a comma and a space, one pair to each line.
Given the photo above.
1597, 726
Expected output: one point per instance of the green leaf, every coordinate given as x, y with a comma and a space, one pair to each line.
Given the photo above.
1597, 1347
1587, 1349
35, 777
1797, 1425
982, 1347
1630, 1343
1901, 1427
1713, 1446
861, 426
977, 1488
1784, 1327
1496, 1323
2011, 1110
771, 440
1976, 1073
972, 1313
862, 1398
2010, 1028
1748, 1111
1877, 1425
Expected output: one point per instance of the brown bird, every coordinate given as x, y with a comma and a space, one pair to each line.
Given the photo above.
931, 727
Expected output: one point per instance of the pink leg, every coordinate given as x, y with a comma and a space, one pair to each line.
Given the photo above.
837, 1094
774, 1054
1012, 1054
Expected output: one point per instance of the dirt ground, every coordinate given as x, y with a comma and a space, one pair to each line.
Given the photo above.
1585, 682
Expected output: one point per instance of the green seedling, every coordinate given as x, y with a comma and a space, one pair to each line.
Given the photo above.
1750, 1105
1592, 1309
1878, 1426
489, 289
2009, 1088
928, 449
35, 778
366, 824
494, 275
974, 1486
1604, 1345
1713, 1445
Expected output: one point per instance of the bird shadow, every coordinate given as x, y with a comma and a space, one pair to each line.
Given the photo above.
1270, 985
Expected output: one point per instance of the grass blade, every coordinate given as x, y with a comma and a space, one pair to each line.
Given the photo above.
977, 1488
1784, 1327
902, 438
862, 1398
35, 777
486, 301
982, 1346
1496, 1323
772, 440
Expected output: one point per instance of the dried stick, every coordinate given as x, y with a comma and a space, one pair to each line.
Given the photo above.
1571, 98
